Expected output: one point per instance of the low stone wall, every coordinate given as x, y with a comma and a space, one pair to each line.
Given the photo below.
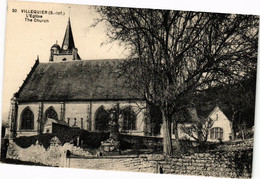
224, 164
116, 163
227, 164
219, 164
55, 155
35, 153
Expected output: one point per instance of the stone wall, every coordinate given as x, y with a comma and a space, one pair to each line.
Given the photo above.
131, 164
227, 164
218, 164
55, 155
224, 164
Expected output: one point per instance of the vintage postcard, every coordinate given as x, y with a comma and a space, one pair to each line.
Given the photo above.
129, 89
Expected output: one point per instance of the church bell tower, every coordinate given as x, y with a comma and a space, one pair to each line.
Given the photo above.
68, 51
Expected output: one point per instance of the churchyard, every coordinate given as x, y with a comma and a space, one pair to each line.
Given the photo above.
81, 149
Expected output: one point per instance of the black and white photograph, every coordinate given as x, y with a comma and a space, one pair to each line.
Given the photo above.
129, 89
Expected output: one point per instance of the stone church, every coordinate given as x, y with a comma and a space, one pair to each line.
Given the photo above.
71, 92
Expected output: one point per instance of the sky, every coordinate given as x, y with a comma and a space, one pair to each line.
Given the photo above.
26, 40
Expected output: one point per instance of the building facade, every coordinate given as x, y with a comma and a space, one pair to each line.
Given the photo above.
216, 127
71, 92
76, 93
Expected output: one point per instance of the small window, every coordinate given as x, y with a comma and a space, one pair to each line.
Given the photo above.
216, 133
64, 59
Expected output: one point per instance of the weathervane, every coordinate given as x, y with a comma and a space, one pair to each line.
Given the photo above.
69, 11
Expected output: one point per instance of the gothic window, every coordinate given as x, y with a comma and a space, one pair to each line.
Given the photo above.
216, 133
129, 119
51, 113
27, 119
102, 119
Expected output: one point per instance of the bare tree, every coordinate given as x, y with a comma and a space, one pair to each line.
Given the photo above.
198, 131
176, 54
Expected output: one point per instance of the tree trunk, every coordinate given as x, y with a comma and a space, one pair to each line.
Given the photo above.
243, 135
232, 122
167, 139
232, 136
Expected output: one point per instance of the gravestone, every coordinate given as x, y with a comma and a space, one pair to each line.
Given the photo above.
55, 141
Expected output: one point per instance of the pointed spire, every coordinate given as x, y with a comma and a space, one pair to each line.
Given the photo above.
68, 41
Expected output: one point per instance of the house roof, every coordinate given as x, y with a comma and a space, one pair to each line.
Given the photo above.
199, 114
207, 111
76, 80
189, 115
56, 121
204, 111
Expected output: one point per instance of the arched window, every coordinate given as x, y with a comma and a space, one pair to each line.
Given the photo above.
27, 119
51, 113
129, 119
102, 119
216, 133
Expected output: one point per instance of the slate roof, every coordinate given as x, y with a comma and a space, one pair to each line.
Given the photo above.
200, 113
75, 81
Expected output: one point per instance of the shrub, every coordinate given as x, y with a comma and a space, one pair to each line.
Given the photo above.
139, 142
44, 139
239, 161
25, 141
93, 139
243, 162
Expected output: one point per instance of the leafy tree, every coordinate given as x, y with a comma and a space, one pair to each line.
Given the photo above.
176, 54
